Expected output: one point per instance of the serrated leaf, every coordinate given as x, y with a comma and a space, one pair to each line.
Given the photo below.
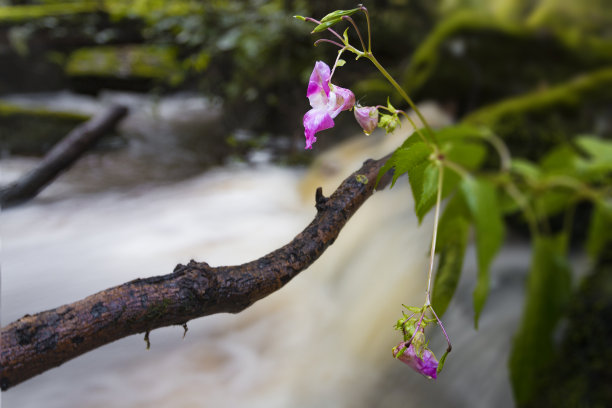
481, 199
404, 159
548, 290
599, 235
338, 14
425, 187
453, 233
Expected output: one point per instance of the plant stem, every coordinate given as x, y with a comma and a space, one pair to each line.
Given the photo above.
399, 89
434, 235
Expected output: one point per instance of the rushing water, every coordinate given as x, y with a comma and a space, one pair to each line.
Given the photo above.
322, 341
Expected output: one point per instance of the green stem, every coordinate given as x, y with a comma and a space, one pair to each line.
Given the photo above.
417, 130
434, 235
399, 89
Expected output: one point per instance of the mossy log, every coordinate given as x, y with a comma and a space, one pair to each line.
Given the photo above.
534, 122
472, 59
32, 131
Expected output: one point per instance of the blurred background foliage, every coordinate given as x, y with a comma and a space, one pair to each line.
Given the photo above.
462, 53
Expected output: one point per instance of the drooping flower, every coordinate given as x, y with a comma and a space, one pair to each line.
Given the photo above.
426, 363
327, 101
367, 117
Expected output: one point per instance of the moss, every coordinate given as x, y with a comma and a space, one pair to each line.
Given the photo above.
533, 122
135, 61
157, 310
464, 59
34, 131
30, 12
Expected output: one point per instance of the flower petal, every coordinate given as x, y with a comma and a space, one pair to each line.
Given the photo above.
319, 79
340, 99
315, 120
427, 365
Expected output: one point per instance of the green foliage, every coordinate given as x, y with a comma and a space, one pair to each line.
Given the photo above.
405, 158
548, 290
481, 199
453, 234
333, 18
600, 236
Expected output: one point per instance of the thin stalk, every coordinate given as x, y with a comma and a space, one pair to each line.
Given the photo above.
456, 167
349, 19
336, 62
416, 129
529, 213
337, 44
450, 347
365, 11
399, 89
502, 150
434, 235
317, 22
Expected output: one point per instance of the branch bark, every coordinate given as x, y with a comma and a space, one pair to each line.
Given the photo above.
34, 344
62, 156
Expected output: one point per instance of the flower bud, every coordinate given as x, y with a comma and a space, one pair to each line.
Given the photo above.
367, 117
389, 122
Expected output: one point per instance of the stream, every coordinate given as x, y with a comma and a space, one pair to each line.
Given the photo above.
324, 340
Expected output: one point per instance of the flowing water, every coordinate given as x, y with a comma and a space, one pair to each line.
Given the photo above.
322, 341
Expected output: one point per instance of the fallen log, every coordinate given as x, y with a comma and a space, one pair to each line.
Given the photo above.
63, 155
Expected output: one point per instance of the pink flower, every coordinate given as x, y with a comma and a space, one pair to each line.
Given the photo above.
327, 101
426, 364
367, 117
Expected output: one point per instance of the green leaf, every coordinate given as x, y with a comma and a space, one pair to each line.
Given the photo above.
424, 182
300, 18
324, 26
548, 290
453, 234
338, 14
481, 199
442, 361
469, 155
599, 236
561, 160
333, 18
405, 159
458, 132
600, 150
527, 170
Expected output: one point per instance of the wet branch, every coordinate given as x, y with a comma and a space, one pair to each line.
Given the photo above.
34, 344
62, 156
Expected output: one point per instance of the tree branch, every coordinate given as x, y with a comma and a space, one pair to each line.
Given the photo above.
62, 156
34, 344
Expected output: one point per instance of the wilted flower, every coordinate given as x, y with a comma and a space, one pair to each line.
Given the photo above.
327, 101
367, 117
426, 363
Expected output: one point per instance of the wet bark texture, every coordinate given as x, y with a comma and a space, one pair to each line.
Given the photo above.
62, 156
34, 344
